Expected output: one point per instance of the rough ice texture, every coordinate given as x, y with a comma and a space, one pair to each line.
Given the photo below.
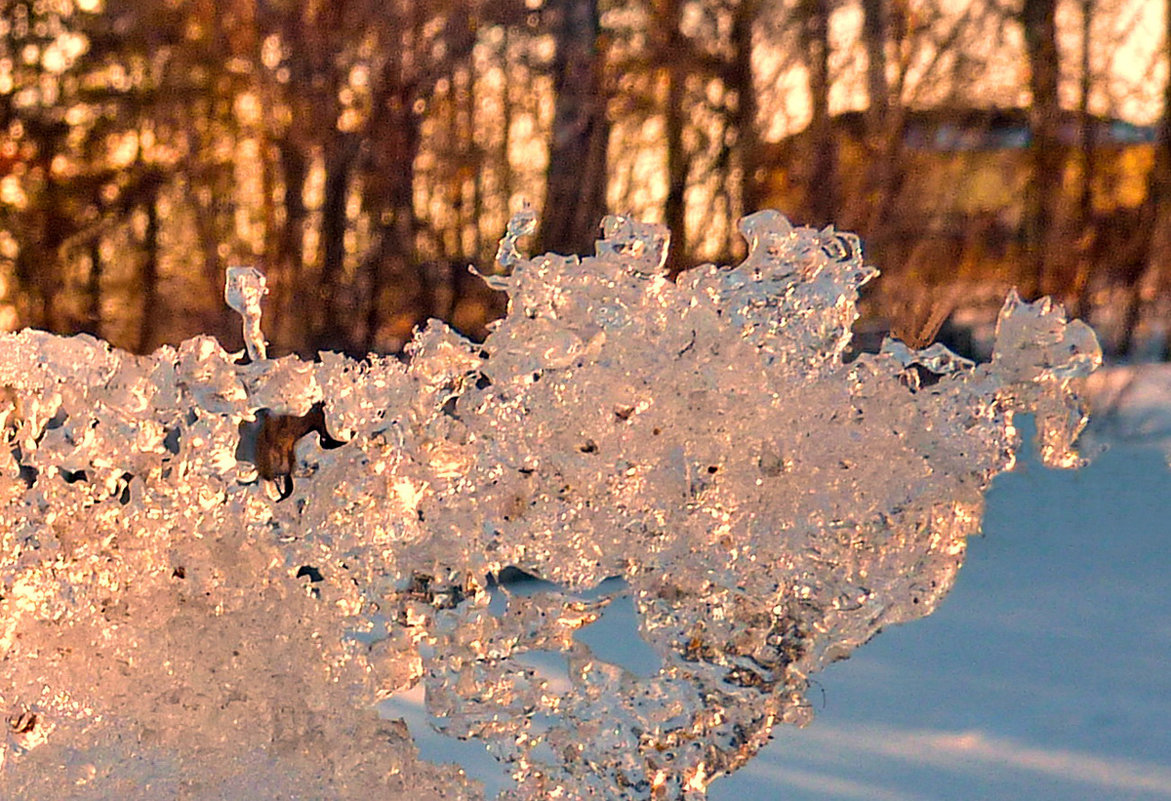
170, 629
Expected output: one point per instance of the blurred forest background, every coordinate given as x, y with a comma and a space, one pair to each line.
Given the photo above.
364, 152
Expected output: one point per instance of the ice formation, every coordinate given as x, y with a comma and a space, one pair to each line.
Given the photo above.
170, 629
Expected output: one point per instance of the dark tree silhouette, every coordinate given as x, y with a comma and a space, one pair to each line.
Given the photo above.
575, 199
821, 182
1043, 191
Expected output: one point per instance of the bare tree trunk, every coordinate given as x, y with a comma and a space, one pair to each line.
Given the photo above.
675, 205
1159, 191
477, 154
1139, 260
290, 246
821, 185
149, 276
49, 280
507, 181
575, 200
395, 255
1044, 187
339, 162
1086, 217
391, 271
93, 289
874, 33
274, 266
741, 79
883, 130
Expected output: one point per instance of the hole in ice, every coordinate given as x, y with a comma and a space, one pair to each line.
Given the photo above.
28, 474
270, 442
73, 476
614, 637
57, 420
435, 747
518, 582
23, 723
309, 570
549, 666
441, 595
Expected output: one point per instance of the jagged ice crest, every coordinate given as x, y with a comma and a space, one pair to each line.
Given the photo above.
169, 627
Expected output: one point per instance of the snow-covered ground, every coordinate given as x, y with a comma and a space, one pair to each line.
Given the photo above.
1045, 675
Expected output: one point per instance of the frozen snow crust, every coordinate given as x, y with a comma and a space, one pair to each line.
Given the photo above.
170, 629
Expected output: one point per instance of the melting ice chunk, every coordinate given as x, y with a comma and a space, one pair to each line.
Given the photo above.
523, 223
243, 290
168, 628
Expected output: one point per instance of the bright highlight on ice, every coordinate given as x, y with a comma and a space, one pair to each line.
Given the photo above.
169, 628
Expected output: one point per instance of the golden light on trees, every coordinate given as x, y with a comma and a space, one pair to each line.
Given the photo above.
370, 152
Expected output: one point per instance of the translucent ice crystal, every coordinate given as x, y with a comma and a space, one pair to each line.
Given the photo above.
243, 290
169, 628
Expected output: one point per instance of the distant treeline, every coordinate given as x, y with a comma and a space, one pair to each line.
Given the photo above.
955, 238
363, 153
